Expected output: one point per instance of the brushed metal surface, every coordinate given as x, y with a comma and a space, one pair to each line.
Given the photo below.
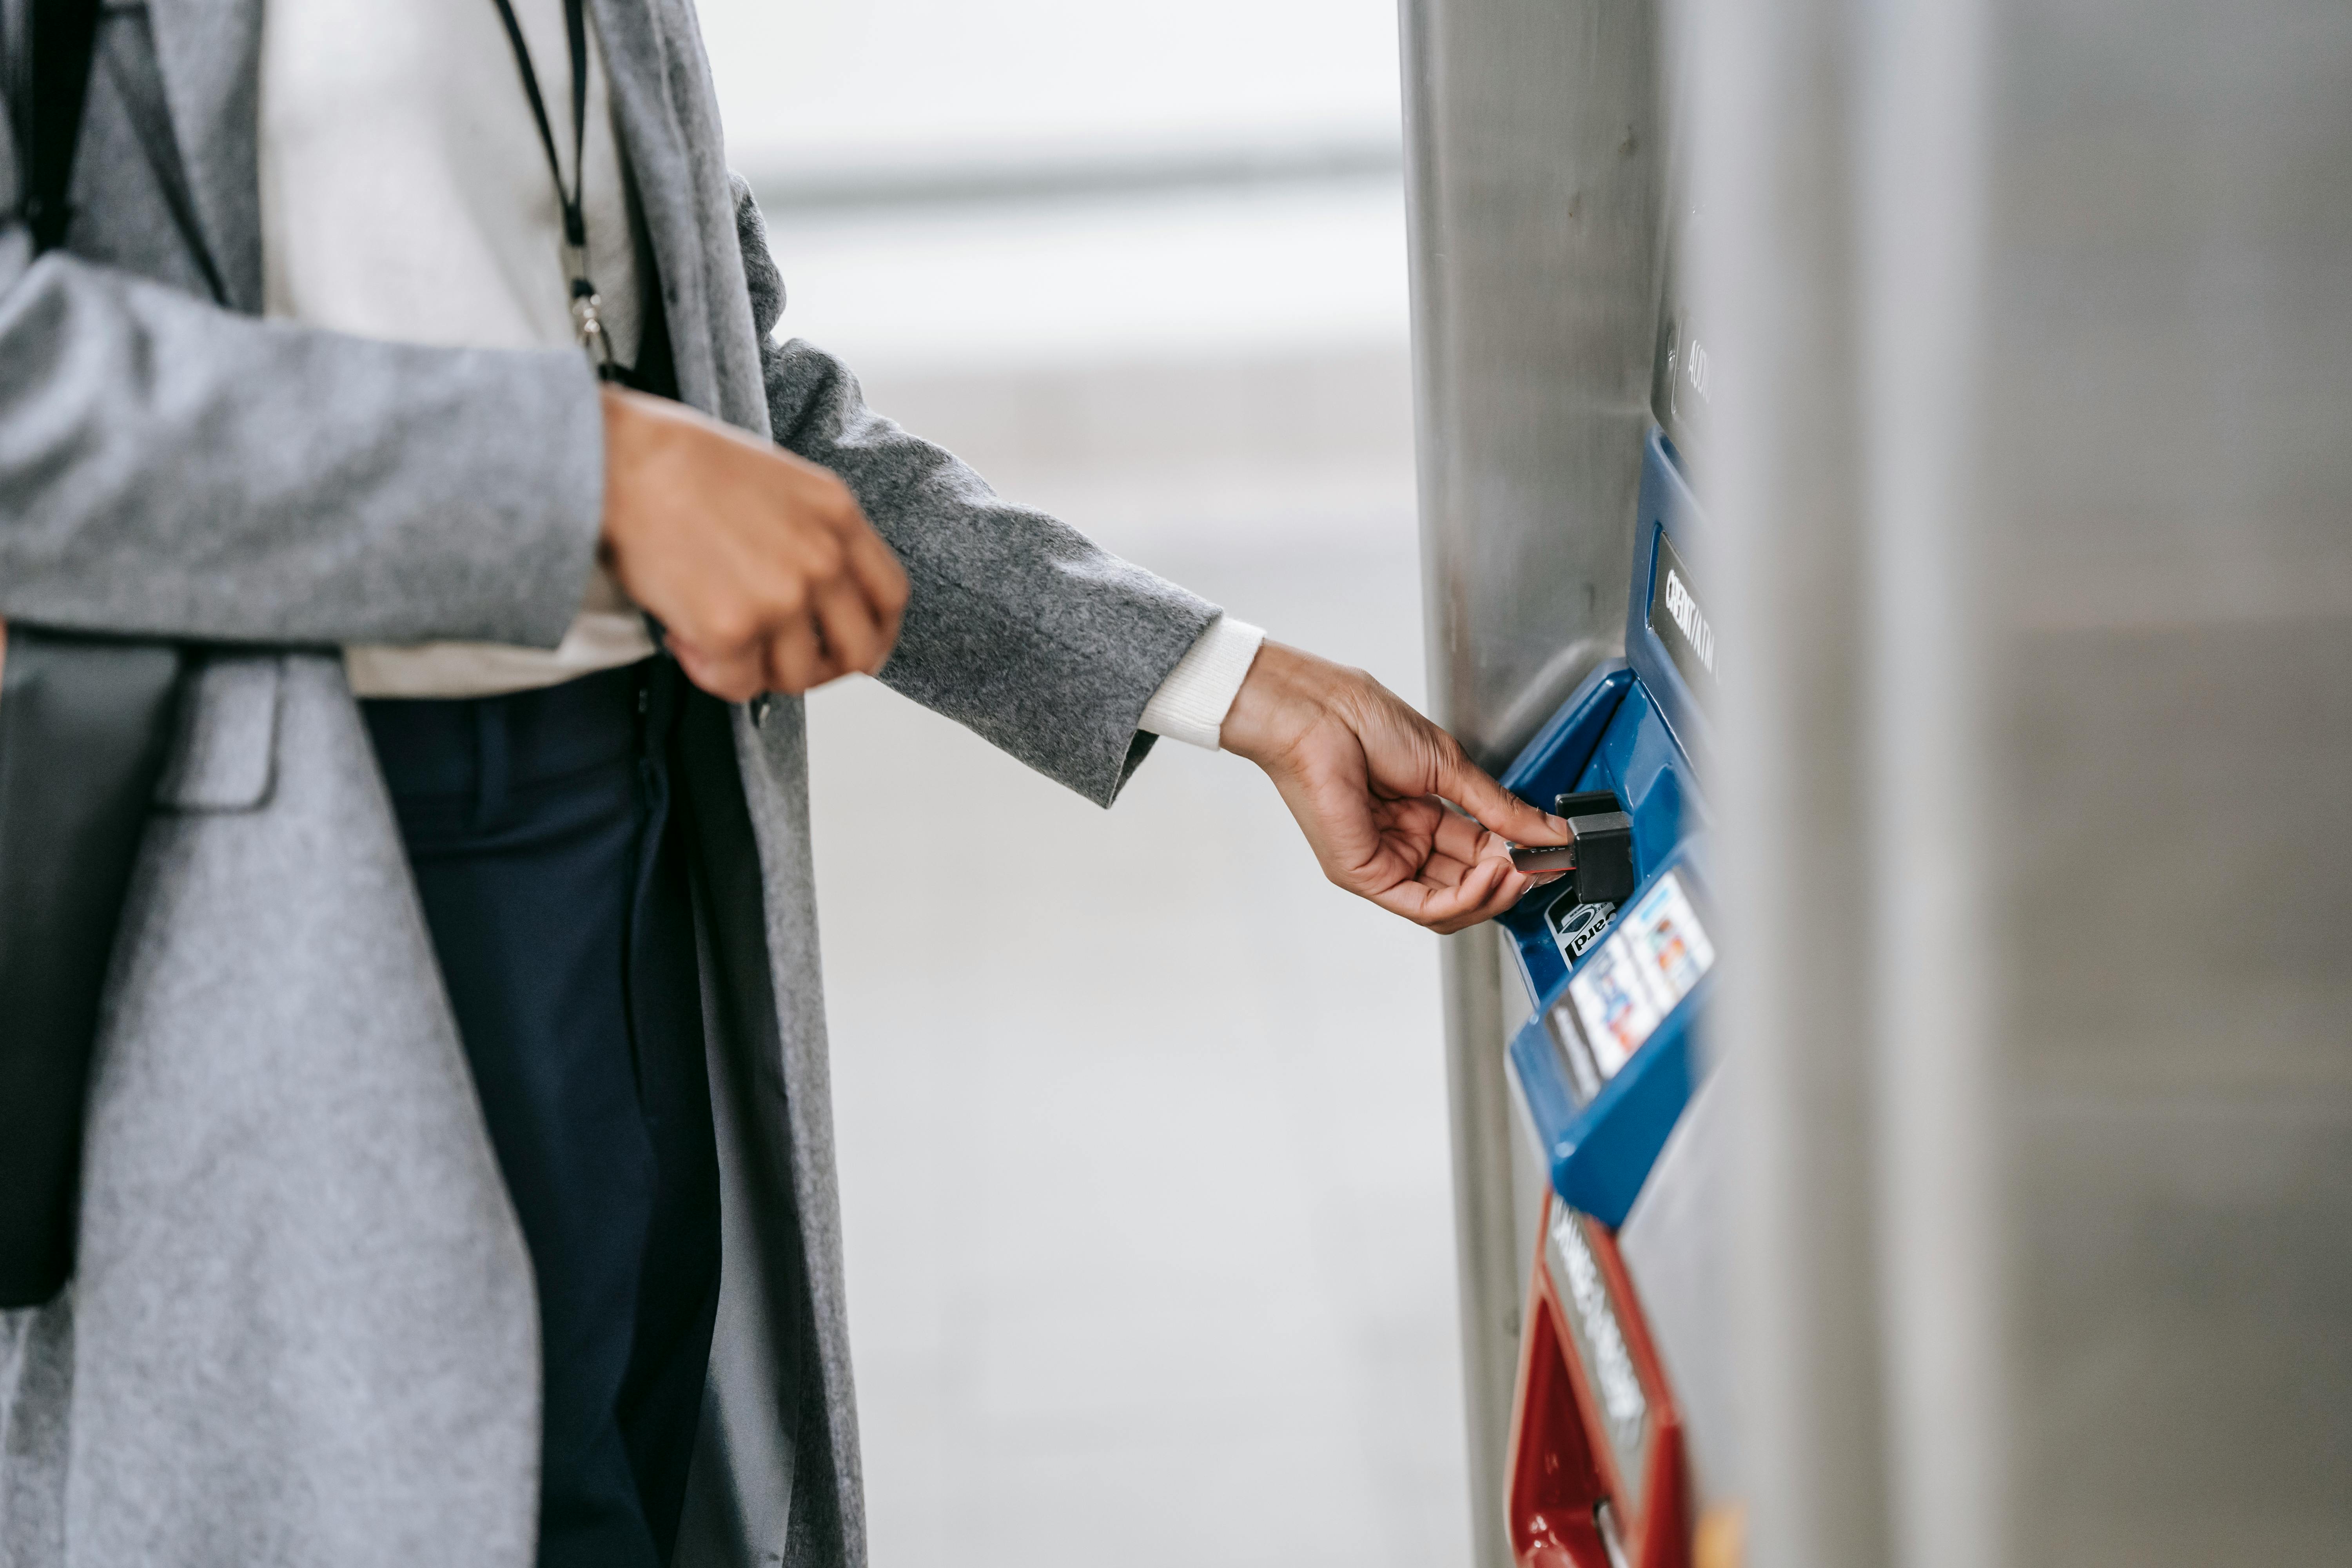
1486, 1221
1532, 170
1676, 1244
1532, 174
2036, 470
2169, 253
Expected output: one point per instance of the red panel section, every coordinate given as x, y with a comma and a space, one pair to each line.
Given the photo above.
1561, 1468
1662, 1537
1554, 1485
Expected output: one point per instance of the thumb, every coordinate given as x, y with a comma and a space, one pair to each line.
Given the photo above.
1497, 809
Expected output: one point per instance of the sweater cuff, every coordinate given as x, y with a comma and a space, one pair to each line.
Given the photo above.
1191, 703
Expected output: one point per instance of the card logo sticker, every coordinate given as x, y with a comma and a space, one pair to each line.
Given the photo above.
1575, 927
1652, 959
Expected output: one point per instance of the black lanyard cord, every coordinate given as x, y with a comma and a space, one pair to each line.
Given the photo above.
587, 317
48, 56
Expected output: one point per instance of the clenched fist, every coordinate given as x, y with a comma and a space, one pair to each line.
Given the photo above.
761, 567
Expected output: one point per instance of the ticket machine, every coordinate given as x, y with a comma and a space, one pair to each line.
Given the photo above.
1623, 1444
1604, 1068
1598, 1472
1618, 1373
1538, 249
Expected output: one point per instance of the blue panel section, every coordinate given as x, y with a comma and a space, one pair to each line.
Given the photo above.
1633, 729
1668, 511
1638, 760
1627, 750
1599, 1161
1600, 1153
1551, 764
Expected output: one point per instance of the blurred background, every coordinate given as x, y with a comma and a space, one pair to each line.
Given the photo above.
1142, 1124
2026, 490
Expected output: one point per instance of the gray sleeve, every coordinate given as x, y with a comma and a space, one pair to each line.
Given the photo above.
170, 469
1018, 625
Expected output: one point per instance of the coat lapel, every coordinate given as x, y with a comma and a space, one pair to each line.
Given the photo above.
209, 54
663, 178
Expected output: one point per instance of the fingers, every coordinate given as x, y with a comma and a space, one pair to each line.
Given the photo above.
761, 566
1457, 836
1484, 890
874, 567
831, 592
795, 657
1483, 897
1425, 862
794, 660
1459, 840
1364, 775
852, 635
864, 583
1467, 786
1464, 876
797, 661
1443, 872
736, 677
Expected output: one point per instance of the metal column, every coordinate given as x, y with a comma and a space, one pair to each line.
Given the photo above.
1533, 179
2036, 458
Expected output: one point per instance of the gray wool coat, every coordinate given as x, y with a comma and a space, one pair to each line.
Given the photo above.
302, 1331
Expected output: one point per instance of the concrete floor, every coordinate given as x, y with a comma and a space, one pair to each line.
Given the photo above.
1142, 1124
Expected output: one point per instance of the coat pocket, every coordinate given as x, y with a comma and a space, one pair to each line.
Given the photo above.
224, 754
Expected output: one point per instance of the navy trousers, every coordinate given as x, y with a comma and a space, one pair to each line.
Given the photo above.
548, 847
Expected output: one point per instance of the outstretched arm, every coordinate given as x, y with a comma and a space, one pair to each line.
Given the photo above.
1015, 625
1060, 652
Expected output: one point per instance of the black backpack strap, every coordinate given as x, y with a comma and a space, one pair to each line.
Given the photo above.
58, 51
85, 722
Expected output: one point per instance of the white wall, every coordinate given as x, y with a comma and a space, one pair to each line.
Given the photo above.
818, 83
1141, 1123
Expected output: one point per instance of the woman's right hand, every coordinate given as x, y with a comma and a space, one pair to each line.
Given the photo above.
761, 566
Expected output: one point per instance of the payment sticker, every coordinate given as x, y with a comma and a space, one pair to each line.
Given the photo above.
1613, 1004
1658, 952
1674, 951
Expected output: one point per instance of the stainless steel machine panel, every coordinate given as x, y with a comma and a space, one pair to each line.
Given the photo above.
1532, 174
1677, 1245
2035, 480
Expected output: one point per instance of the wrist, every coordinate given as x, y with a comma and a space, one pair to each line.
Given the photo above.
621, 457
641, 439
1281, 699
